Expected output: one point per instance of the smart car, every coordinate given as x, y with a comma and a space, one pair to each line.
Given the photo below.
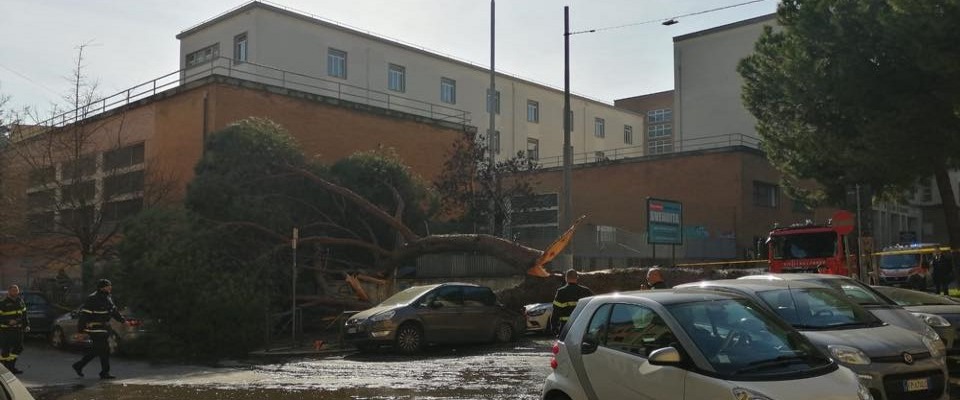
689, 345
892, 362
441, 313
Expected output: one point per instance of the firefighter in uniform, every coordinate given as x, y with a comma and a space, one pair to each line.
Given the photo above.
13, 324
566, 299
95, 317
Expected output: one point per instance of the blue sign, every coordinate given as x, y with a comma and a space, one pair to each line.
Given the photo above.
664, 222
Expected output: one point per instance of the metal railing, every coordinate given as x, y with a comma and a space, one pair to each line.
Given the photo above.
694, 144
264, 74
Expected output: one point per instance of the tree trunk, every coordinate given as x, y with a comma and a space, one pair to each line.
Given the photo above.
948, 201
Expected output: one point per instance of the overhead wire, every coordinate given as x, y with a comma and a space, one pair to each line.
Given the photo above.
662, 20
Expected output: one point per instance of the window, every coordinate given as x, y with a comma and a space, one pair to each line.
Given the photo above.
120, 210
659, 131
495, 101
533, 149
41, 200
599, 156
627, 134
926, 190
43, 175
533, 111
79, 193
598, 128
449, 296
206, 54
606, 234
661, 115
396, 78
123, 157
240, 48
636, 330
478, 297
131, 182
337, 63
659, 146
766, 194
448, 91
78, 168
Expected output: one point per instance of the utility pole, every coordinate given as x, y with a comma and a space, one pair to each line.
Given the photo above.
293, 289
566, 211
491, 102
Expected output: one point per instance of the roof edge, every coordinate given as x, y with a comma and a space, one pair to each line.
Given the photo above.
738, 24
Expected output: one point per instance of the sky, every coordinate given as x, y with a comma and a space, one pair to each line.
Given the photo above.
133, 41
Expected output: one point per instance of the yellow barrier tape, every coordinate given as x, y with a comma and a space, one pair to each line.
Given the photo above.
706, 264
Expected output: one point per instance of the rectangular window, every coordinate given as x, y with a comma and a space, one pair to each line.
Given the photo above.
533, 149
123, 157
599, 156
627, 134
79, 193
43, 175
598, 128
204, 55
115, 211
659, 146
79, 168
240, 48
661, 115
495, 100
659, 131
533, 111
448, 91
606, 234
766, 194
337, 63
41, 200
130, 182
397, 78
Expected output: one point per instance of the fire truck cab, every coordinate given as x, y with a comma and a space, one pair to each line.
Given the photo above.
806, 248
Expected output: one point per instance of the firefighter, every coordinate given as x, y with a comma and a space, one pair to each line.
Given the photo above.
13, 324
566, 299
95, 317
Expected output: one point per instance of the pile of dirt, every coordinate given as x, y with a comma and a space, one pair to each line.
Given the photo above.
542, 290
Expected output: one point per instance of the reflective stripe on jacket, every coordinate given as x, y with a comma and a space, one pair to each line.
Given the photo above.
566, 300
13, 313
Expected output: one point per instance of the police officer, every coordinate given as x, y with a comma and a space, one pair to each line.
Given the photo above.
13, 324
566, 299
95, 321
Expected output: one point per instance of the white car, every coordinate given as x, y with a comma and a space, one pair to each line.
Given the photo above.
673, 345
538, 317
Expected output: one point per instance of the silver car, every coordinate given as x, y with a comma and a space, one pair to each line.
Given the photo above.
892, 362
940, 312
689, 345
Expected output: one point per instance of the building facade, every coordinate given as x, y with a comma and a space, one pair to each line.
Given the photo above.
658, 137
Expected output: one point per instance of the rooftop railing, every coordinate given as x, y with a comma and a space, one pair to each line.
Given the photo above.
692, 144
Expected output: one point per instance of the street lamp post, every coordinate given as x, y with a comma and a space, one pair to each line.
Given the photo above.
566, 211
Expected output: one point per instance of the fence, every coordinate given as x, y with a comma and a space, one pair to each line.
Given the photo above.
693, 144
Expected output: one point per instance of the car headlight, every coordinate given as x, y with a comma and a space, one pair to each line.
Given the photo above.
932, 340
383, 316
536, 312
848, 355
933, 319
863, 393
747, 394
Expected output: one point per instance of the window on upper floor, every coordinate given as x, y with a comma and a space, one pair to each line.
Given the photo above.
533, 111
397, 78
204, 55
42, 175
533, 149
494, 100
123, 157
79, 168
130, 182
448, 90
766, 194
337, 63
926, 190
661, 115
627, 134
659, 146
240, 48
659, 131
598, 127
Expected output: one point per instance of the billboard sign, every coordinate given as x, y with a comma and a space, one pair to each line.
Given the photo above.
664, 221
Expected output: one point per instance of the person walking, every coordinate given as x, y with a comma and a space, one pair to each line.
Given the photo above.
942, 272
566, 300
655, 279
95, 317
13, 325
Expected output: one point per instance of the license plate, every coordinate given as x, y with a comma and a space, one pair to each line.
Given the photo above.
351, 330
914, 385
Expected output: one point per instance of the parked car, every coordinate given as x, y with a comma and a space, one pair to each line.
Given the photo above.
538, 317
40, 311
65, 333
940, 312
866, 296
442, 313
892, 362
11, 387
689, 344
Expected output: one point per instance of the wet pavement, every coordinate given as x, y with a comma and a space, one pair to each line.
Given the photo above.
513, 371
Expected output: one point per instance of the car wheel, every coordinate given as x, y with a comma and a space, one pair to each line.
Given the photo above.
57, 340
409, 338
504, 333
113, 342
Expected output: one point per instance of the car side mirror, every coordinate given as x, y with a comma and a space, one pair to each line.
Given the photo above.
588, 345
665, 356
436, 304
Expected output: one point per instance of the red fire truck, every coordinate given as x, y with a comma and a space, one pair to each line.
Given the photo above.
813, 248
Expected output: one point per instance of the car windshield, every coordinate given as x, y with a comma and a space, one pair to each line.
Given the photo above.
857, 291
741, 340
406, 296
804, 245
906, 297
899, 261
818, 309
